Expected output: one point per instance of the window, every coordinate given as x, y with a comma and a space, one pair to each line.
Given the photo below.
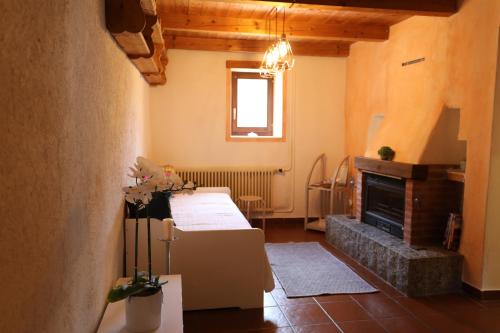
251, 104
255, 104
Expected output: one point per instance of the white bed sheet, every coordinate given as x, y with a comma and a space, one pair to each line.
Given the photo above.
206, 211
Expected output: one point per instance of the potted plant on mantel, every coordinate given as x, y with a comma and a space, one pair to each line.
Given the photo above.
386, 153
143, 293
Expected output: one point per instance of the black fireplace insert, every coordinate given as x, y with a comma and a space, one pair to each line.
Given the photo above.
384, 203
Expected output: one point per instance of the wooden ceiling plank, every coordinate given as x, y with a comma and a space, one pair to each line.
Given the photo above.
324, 49
256, 27
403, 7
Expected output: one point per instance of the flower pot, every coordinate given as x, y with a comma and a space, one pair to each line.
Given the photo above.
387, 157
143, 313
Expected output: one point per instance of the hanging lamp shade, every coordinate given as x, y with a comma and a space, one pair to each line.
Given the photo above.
285, 60
279, 56
268, 67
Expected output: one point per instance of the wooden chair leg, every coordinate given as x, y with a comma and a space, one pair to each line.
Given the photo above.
263, 216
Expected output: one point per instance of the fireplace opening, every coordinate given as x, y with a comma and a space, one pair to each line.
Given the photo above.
384, 203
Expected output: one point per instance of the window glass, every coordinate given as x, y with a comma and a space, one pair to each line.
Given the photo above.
252, 103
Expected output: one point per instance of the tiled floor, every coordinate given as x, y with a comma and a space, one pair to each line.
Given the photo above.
387, 311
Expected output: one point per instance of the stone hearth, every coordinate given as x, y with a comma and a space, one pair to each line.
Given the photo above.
415, 271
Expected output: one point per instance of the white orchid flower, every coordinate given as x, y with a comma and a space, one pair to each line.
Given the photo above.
141, 193
150, 168
174, 178
140, 174
132, 194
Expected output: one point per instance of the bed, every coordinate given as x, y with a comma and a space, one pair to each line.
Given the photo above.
221, 258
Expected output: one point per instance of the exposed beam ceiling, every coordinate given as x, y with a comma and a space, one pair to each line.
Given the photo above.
404, 7
304, 48
257, 27
315, 27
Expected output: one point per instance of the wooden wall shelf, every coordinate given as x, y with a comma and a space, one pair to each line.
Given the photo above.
137, 30
456, 175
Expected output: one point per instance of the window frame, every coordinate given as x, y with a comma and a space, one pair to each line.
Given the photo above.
244, 131
242, 64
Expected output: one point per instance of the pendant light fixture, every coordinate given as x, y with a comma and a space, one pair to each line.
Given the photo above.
268, 64
279, 56
286, 60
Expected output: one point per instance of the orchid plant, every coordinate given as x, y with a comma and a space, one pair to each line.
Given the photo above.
149, 179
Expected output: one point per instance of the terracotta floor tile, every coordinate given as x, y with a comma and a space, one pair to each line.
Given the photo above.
333, 298
305, 314
229, 320
345, 311
320, 328
280, 298
444, 324
487, 320
380, 305
362, 326
406, 324
455, 302
419, 306
490, 303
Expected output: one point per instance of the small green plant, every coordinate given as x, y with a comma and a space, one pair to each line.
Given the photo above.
386, 153
143, 286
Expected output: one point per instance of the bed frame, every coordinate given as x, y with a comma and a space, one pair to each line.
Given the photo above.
219, 268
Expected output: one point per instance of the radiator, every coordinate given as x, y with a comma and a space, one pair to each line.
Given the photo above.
241, 182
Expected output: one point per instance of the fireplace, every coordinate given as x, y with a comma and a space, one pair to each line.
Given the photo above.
384, 203
409, 201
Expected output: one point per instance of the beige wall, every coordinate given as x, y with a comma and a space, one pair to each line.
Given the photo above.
188, 120
458, 73
72, 122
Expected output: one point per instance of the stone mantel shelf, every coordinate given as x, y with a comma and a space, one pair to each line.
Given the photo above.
391, 168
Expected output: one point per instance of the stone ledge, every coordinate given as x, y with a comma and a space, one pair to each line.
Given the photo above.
413, 271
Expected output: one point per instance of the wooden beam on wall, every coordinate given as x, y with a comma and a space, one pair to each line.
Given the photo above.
257, 27
404, 7
300, 48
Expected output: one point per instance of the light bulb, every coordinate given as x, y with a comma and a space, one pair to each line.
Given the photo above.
283, 47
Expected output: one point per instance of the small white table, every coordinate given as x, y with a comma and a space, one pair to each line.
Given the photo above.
171, 316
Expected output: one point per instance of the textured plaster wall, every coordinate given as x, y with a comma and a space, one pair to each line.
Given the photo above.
72, 120
458, 74
188, 119
491, 267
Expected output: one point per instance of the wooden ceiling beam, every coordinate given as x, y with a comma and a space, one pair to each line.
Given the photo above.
323, 49
257, 27
403, 7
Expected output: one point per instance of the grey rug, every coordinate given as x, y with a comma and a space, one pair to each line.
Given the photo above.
307, 269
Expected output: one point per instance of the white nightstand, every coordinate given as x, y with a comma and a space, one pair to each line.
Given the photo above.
171, 320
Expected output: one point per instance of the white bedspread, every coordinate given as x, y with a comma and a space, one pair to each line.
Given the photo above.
206, 211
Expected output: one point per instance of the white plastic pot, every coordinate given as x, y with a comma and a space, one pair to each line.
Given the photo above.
143, 313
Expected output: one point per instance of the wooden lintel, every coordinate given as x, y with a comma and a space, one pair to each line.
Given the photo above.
390, 168
257, 27
404, 7
324, 49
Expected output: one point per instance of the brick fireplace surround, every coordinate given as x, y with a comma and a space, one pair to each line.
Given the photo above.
429, 196
416, 265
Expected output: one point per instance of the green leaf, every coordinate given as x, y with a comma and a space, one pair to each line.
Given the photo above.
123, 291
